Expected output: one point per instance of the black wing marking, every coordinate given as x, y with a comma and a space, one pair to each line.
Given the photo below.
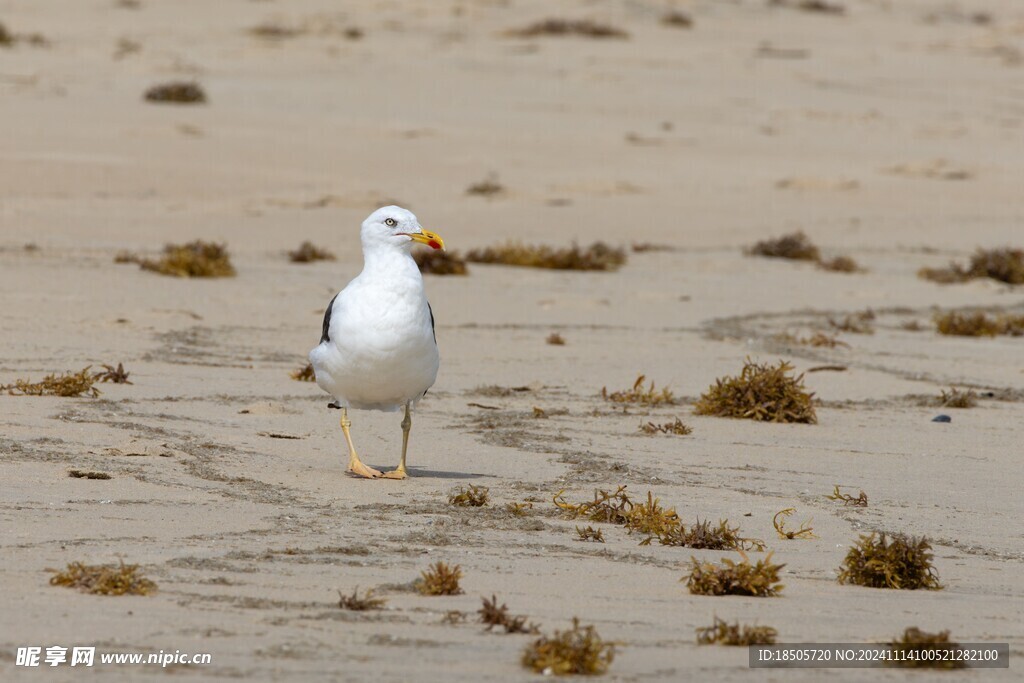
432, 330
326, 334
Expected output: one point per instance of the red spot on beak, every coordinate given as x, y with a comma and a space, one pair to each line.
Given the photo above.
433, 245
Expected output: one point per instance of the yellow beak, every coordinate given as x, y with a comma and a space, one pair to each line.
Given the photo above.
431, 239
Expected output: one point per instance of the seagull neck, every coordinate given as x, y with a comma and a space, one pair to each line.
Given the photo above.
388, 262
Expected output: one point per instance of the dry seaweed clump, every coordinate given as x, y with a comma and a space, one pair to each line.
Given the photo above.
917, 648
306, 374
735, 578
651, 518
795, 246
840, 264
486, 188
899, 562
195, 259
677, 19
723, 633
83, 474
440, 579
704, 536
358, 603
116, 375
578, 650
65, 384
589, 533
555, 339
568, 27
598, 256
860, 501
493, 615
958, 399
779, 522
979, 324
104, 579
472, 496
676, 427
761, 392
437, 262
308, 253
1005, 265
610, 507
638, 394
179, 92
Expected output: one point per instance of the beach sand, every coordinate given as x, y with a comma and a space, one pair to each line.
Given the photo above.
891, 133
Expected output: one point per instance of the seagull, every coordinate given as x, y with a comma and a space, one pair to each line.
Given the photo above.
378, 350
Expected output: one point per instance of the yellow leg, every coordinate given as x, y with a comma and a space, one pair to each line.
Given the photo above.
399, 472
355, 465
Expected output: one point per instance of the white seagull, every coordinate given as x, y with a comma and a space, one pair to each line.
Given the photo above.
378, 350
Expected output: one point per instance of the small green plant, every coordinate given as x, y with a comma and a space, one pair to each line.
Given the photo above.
578, 650
358, 603
493, 615
795, 246
440, 579
179, 92
676, 427
589, 533
66, 384
723, 633
761, 392
598, 256
309, 252
305, 374
917, 648
901, 562
735, 578
195, 259
124, 579
860, 501
608, 507
779, 522
639, 395
471, 496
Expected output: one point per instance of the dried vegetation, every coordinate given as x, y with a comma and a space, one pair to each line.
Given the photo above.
568, 27
124, 579
437, 262
178, 92
639, 395
761, 392
360, 603
598, 256
471, 496
723, 633
579, 650
439, 579
901, 562
309, 253
760, 579
1004, 265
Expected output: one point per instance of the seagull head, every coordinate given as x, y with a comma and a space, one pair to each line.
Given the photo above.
395, 227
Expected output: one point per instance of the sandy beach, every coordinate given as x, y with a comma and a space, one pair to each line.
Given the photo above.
890, 132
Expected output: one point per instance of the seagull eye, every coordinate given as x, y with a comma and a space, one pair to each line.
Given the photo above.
390, 222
